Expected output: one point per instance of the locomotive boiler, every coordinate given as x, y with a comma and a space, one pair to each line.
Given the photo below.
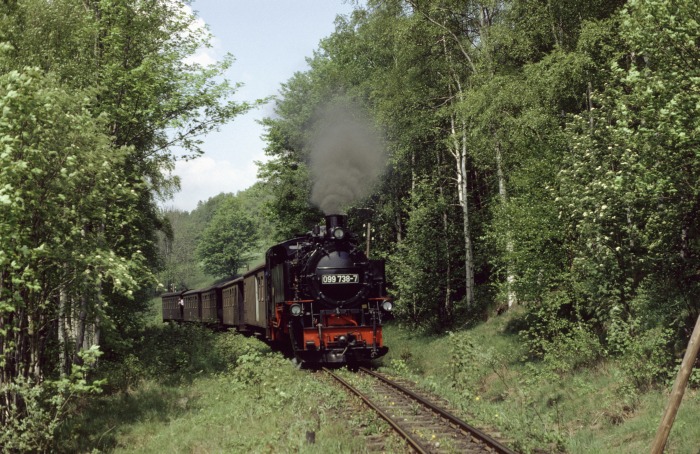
327, 298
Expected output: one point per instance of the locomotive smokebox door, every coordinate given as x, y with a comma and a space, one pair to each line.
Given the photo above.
338, 279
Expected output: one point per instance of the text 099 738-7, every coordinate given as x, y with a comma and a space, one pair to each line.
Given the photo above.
340, 279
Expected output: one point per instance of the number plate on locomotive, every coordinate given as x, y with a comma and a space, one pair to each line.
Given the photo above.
340, 278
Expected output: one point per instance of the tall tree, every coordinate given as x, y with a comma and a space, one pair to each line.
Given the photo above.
138, 96
60, 177
228, 240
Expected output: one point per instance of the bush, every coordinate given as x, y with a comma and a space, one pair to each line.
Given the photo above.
572, 350
545, 321
468, 364
643, 341
645, 358
554, 332
32, 412
175, 353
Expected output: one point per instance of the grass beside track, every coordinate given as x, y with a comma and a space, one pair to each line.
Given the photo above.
482, 371
186, 389
240, 397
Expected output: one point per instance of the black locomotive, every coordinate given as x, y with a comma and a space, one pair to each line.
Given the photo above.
328, 297
318, 294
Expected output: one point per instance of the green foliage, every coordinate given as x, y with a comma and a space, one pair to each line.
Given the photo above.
641, 344
421, 265
58, 174
228, 240
254, 367
60, 178
93, 95
463, 356
645, 360
286, 175
468, 360
34, 412
178, 246
579, 348
573, 128
399, 366
588, 409
537, 253
180, 412
171, 353
254, 201
556, 332
627, 190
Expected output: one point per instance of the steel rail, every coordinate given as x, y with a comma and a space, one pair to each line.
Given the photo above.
415, 443
444, 413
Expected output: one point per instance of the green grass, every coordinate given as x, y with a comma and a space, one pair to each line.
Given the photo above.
216, 415
535, 408
187, 389
220, 392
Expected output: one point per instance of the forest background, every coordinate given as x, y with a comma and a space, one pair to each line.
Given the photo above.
541, 154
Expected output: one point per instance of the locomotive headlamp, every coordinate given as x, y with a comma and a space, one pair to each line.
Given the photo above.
388, 306
338, 233
295, 309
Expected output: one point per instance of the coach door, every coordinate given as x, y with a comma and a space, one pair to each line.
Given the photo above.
257, 299
240, 304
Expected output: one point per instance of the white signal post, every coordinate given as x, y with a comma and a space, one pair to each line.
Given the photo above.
369, 232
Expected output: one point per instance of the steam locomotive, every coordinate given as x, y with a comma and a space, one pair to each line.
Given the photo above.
317, 294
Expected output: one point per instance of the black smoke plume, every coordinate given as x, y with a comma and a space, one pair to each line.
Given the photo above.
346, 159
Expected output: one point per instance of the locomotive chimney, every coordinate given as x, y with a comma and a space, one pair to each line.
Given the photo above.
335, 220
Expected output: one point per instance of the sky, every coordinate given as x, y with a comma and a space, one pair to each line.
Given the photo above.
270, 40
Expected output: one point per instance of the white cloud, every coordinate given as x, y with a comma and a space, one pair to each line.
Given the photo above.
206, 177
203, 56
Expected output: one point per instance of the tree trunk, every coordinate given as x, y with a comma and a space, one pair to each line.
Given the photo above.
34, 338
446, 309
63, 332
22, 353
459, 151
503, 195
79, 333
399, 226
5, 325
448, 273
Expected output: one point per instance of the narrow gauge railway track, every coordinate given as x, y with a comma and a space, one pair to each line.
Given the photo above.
425, 427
